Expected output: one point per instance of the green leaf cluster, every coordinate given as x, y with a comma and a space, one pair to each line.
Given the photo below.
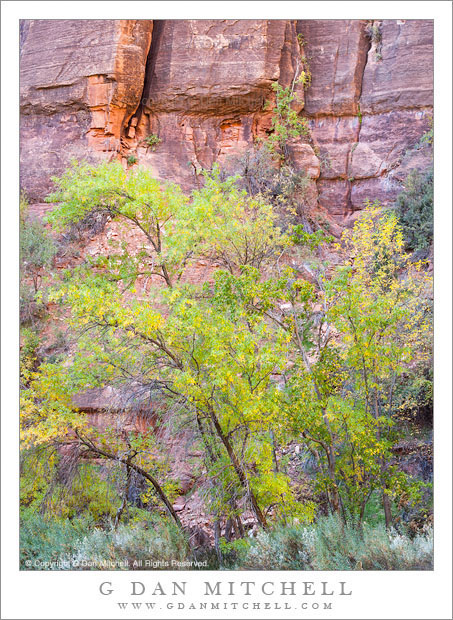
251, 359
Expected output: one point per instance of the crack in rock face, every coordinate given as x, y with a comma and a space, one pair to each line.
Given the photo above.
102, 89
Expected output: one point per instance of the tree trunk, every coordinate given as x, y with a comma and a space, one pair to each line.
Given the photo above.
330, 450
387, 510
229, 529
274, 451
334, 493
240, 527
239, 470
124, 502
126, 461
385, 497
217, 542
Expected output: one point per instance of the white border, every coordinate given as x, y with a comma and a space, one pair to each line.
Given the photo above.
376, 594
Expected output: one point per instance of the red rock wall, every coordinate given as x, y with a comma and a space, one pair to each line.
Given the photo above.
80, 80
370, 102
97, 88
206, 86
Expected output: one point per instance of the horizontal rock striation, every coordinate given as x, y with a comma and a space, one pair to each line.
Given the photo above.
80, 80
206, 85
369, 103
179, 95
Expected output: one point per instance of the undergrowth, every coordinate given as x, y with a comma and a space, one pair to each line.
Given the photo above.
326, 545
332, 545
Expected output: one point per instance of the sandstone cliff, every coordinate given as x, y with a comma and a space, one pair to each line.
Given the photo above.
98, 88
370, 101
80, 81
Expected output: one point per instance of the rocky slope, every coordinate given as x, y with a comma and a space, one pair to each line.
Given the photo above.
98, 88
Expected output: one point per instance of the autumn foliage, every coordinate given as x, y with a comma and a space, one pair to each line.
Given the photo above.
252, 360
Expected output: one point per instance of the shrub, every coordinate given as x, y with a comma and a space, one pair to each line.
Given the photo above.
286, 122
329, 544
73, 489
374, 32
31, 307
29, 347
326, 545
73, 544
414, 207
160, 543
414, 395
89, 494
284, 548
43, 541
345, 547
131, 160
256, 170
23, 207
37, 250
152, 141
288, 190
91, 225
